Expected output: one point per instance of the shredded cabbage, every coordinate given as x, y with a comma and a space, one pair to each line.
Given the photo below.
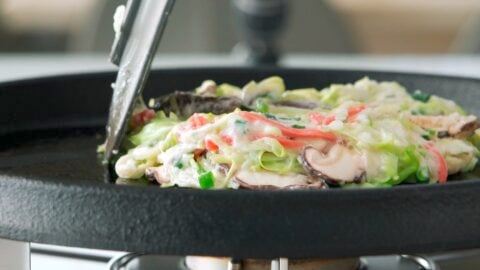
372, 119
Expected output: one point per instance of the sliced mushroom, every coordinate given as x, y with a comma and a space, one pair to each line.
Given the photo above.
337, 166
322, 145
268, 180
185, 104
158, 174
455, 125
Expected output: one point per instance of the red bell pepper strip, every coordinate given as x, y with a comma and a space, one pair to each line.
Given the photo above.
352, 119
442, 164
319, 119
141, 118
316, 118
329, 119
210, 145
226, 138
285, 142
197, 120
289, 131
355, 110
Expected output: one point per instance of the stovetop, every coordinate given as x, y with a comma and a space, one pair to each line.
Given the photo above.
463, 260
51, 257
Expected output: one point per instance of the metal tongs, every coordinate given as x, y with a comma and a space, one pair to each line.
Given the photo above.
133, 50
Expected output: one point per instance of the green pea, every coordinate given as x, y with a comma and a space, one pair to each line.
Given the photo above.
206, 180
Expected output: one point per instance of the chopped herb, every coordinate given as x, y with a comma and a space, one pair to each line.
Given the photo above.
420, 96
290, 118
270, 116
419, 111
179, 164
262, 105
423, 175
206, 180
298, 126
240, 122
241, 126
429, 134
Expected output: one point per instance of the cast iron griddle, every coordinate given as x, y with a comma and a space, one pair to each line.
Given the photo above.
52, 189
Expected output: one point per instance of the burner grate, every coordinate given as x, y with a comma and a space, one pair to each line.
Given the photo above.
465, 260
135, 261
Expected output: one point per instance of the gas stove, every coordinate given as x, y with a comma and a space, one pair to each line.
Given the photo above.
55, 257
465, 260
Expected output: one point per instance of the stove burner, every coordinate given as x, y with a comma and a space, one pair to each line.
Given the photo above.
424, 263
212, 263
122, 261
463, 259
135, 261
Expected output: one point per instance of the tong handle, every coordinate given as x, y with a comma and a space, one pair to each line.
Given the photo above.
133, 51
122, 34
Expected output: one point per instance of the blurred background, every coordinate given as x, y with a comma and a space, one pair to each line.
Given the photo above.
208, 26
